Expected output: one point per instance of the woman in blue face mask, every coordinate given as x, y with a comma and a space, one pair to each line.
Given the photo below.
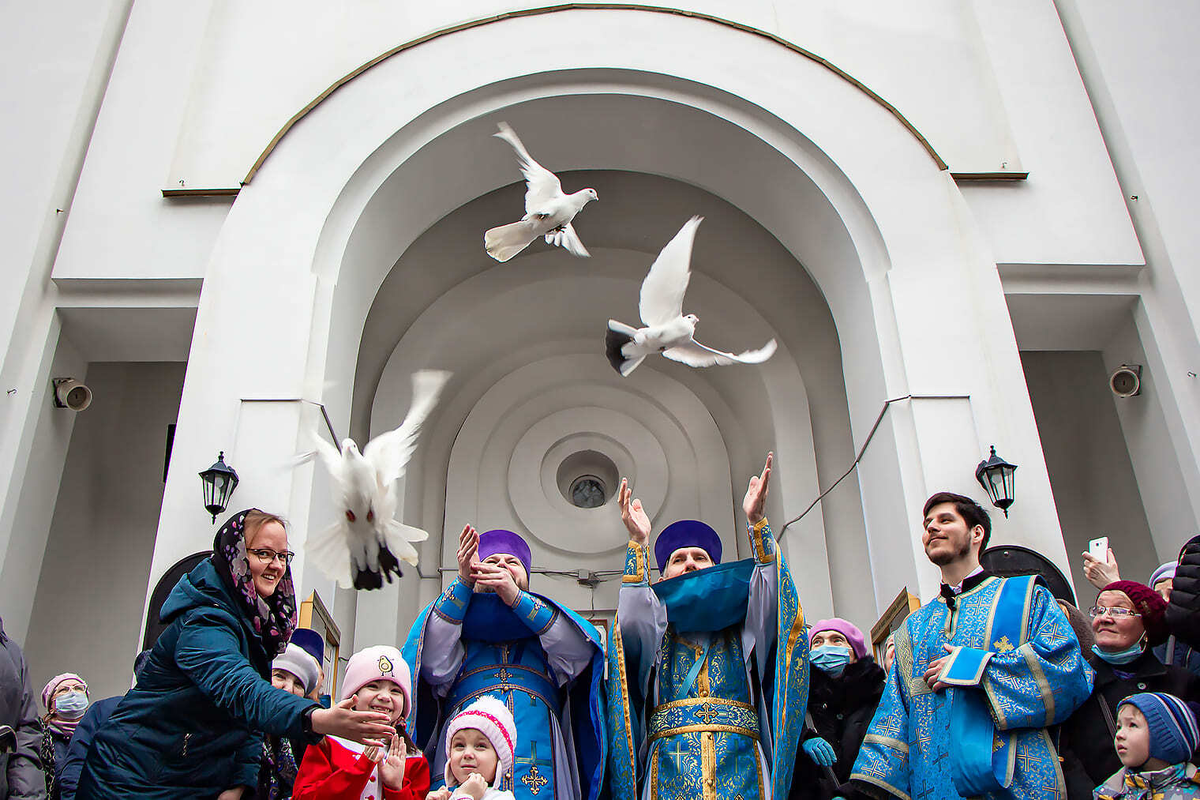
1127, 621
65, 698
845, 687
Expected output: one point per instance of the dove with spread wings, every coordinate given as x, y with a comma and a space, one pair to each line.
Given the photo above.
667, 329
548, 212
367, 543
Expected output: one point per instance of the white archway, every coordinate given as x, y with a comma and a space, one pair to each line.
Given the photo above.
831, 175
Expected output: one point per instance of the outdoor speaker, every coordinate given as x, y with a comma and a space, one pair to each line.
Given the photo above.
72, 394
1126, 380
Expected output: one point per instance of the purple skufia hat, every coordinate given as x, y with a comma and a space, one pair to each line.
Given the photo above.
502, 541
310, 642
686, 533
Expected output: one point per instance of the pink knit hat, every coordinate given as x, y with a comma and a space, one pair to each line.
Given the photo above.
378, 663
48, 692
846, 628
492, 718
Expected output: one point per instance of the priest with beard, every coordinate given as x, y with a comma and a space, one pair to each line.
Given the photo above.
487, 634
981, 672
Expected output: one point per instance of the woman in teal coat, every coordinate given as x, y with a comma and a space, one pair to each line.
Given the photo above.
191, 726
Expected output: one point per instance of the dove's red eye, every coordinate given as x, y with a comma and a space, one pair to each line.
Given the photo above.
370, 515
350, 515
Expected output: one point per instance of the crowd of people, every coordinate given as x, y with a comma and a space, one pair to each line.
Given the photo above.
710, 684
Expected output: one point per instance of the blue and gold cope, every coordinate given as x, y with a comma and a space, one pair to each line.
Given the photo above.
702, 738
1015, 668
503, 657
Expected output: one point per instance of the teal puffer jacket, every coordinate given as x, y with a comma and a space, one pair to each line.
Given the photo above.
191, 727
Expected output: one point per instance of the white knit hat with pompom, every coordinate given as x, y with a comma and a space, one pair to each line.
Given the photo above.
491, 717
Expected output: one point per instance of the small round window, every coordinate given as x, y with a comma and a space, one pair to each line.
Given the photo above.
587, 491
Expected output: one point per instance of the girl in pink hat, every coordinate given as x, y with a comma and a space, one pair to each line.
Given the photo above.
481, 741
377, 679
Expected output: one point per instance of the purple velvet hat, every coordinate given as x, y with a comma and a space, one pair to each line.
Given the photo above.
846, 628
502, 541
686, 533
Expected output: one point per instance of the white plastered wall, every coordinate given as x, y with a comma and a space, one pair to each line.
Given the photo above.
883, 232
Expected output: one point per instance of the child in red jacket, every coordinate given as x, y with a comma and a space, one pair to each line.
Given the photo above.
377, 679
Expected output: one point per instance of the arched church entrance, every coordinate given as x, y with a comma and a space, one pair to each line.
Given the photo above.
355, 257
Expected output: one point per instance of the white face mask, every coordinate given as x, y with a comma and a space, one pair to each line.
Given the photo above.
71, 705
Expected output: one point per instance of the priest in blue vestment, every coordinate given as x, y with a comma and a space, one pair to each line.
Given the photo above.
488, 634
708, 667
979, 675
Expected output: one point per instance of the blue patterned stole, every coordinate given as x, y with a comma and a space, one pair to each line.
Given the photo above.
983, 759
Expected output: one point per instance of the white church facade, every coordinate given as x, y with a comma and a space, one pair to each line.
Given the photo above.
956, 218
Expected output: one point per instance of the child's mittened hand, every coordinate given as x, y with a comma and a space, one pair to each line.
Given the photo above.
438, 794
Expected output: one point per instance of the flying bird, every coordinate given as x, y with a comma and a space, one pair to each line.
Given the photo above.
548, 212
367, 543
668, 330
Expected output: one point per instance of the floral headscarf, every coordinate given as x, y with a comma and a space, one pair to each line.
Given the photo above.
273, 618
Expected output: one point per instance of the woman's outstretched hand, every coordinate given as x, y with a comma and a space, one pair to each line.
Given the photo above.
365, 727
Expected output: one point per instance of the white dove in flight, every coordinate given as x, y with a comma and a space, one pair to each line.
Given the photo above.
362, 547
668, 330
548, 212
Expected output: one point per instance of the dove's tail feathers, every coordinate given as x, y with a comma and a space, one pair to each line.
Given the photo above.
615, 338
329, 551
373, 579
506, 241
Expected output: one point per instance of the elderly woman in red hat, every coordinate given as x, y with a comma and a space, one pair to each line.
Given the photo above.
1128, 620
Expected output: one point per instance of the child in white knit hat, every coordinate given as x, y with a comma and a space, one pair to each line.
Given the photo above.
481, 741
377, 679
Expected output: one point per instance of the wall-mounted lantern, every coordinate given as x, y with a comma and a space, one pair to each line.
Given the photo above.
219, 481
995, 475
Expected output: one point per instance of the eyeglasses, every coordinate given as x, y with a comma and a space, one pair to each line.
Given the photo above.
1115, 613
267, 556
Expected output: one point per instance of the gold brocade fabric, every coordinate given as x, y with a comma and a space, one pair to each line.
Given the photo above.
707, 723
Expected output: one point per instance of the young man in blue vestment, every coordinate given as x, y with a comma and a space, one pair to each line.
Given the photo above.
488, 634
708, 668
980, 673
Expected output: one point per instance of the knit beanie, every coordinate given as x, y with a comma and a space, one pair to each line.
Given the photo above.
1174, 734
846, 628
379, 663
48, 692
293, 659
491, 717
1165, 571
1149, 604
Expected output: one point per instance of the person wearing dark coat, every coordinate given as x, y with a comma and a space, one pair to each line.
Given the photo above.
97, 714
190, 727
1183, 610
66, 699
93, 719
21, 776
1127, 620
844, 690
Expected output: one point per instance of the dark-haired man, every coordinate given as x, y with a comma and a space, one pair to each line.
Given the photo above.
979, 674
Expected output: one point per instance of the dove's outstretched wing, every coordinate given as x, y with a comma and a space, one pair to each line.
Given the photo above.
695, 354
661, 299
389, 452
330, 551
569, 241
541, 185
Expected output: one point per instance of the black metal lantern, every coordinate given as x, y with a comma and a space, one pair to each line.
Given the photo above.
219, 481
995, 475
